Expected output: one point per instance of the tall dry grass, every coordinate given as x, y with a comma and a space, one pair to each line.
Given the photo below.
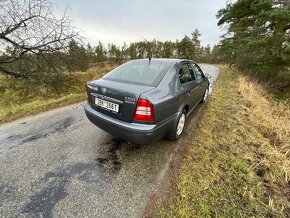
99, 71
19, 97
272, 120
238, 160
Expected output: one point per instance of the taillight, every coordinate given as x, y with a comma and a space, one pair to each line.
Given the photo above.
144, 111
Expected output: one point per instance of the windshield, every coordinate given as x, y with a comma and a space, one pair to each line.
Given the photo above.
139, 72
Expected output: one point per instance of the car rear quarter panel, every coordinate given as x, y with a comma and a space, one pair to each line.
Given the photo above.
165, 96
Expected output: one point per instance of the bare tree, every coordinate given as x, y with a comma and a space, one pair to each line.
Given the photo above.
30, 34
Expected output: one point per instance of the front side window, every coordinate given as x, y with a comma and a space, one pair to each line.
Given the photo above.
185, 74
198, 73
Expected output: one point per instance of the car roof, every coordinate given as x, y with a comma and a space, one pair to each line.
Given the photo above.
165, 60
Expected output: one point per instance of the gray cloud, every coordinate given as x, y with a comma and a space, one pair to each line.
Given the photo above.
128, 20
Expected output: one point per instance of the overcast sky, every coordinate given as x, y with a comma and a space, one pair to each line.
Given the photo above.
119, 21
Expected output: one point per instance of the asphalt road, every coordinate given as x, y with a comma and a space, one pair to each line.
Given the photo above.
58, 164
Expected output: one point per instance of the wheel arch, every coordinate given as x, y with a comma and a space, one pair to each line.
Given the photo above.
186, 108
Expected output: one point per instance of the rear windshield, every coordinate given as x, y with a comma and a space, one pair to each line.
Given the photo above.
139, 72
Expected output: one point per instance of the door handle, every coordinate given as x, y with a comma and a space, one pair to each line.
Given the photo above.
188, 94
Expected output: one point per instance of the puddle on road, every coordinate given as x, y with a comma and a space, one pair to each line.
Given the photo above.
59, 126
51, 188
4, 137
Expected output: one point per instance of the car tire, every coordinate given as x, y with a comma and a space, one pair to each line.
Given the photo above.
205, 95
177, 131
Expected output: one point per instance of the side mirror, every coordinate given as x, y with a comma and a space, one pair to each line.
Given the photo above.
208, 76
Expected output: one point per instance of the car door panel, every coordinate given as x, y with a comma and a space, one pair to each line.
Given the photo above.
201, 81
194, 89
188, 85
186, 91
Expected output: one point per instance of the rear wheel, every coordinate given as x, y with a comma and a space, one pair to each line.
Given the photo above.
177, 131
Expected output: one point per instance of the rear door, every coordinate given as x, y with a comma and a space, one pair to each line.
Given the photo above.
189, 87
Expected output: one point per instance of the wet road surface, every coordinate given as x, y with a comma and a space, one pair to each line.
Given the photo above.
58, 164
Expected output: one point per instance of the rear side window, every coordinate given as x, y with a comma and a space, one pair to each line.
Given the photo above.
139, 72
186, 74
198, 73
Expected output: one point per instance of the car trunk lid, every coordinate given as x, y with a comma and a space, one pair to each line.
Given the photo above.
123, 94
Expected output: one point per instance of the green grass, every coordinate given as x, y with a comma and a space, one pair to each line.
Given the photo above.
235, 165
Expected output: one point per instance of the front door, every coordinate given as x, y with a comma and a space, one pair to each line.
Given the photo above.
189, 84
200, 80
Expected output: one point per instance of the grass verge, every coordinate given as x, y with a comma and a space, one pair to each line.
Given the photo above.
19, 97
238, 161
15, 111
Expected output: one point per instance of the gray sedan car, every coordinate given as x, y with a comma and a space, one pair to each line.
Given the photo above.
145, 100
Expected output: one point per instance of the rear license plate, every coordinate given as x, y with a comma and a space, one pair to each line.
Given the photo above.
107, 105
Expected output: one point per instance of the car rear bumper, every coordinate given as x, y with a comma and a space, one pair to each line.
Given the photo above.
133, 132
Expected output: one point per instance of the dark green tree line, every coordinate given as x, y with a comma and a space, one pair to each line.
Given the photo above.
189, 47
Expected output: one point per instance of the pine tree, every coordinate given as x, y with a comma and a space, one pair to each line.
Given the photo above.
258, 35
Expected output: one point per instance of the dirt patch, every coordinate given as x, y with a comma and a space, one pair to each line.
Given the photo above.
111, 161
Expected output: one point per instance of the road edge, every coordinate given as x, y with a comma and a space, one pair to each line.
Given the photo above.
163, 187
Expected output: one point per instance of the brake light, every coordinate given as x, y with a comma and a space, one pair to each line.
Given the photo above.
144, 111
